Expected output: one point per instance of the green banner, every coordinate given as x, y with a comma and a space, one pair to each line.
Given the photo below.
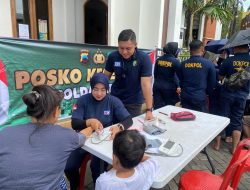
65, 66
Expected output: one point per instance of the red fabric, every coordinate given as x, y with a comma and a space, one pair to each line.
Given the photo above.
74, 107
182, 116
152, 56
3, 76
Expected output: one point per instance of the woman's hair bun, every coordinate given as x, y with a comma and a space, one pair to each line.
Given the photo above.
31, 98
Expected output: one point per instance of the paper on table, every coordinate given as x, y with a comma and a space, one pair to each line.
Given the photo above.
138, 128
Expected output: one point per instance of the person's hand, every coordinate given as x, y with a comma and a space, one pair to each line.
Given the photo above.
95, 124
149, 115
178, 90
114, 130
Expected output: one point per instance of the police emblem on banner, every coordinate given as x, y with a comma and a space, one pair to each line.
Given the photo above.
99, 57
84, 56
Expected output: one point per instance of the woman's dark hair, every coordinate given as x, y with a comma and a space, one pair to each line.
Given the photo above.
127, 35
42, 102
129, 146
171, 48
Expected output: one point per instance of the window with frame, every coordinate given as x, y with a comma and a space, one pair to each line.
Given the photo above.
32, 19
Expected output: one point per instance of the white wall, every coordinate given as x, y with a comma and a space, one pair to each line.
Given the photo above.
111, 8
64, 20
58, 11
70, 20
218, 30
183, 27
174, 20
5, 19
145, 17
79, 20
201, 27
124, 15
150, 22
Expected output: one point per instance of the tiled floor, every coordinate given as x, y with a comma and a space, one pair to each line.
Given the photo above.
220, 160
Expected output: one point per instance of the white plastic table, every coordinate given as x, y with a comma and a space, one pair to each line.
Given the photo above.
192, 135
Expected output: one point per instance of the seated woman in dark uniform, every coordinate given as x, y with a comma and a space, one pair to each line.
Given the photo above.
95, 109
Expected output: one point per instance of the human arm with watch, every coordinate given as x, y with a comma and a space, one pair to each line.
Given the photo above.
147, 93
86, 126
123, 125
121, 115
80, 120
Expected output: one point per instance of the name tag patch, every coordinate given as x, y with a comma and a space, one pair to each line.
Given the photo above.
193, 65
117, 64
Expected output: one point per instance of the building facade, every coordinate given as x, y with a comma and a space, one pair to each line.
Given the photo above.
155, 22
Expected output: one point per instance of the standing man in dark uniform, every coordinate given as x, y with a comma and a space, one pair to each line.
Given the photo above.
233, 101
166, 83
133, 74
197, 78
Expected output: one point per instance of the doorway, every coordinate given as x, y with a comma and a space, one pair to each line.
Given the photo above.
96, 20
